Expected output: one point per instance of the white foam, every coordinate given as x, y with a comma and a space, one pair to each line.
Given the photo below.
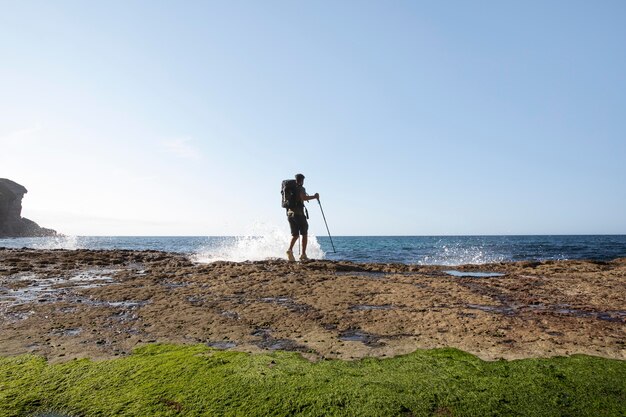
57, 242
264, 242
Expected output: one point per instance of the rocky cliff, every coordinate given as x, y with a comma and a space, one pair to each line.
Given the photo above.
12, 224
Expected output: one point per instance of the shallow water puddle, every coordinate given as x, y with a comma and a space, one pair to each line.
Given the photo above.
94, 275
32, 288
617, 316
352, 335
127, 304
37, 290
278, 344
456, 273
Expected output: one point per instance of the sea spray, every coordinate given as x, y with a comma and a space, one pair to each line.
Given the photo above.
264, 242
58, 242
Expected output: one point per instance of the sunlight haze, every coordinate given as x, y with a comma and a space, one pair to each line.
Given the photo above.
409, 118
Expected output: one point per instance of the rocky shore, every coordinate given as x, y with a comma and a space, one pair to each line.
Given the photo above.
100, 304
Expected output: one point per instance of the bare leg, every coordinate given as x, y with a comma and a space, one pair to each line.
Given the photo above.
294, 239
290, 256
304, 242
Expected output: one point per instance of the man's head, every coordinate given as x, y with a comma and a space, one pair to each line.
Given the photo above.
300, 179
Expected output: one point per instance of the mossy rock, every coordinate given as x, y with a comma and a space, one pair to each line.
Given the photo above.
170, 380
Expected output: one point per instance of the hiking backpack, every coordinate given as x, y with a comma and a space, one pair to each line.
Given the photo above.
289, 191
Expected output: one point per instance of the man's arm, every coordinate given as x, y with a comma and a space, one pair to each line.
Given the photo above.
305, 197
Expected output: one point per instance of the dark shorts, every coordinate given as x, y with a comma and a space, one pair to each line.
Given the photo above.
298, 225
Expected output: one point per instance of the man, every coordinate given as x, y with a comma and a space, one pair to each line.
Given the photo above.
298, 220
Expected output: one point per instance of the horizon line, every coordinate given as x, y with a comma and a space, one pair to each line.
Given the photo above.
324, 236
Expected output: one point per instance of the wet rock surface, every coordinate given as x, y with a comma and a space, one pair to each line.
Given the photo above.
100, 304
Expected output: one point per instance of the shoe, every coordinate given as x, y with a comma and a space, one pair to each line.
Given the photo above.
303, 257
290, 256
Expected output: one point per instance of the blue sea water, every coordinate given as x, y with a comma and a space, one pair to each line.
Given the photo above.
439, 250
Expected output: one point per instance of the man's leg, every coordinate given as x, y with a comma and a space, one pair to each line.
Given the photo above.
294, 239
304, 231
304, 242
290, 256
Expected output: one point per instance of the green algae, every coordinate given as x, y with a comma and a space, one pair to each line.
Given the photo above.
171, 380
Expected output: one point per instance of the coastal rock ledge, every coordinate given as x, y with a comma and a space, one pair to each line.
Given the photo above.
12, 224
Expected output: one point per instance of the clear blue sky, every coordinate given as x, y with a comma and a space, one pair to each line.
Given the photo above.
409, 118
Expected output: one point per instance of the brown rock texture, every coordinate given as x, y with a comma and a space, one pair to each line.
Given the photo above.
99, 304
12, 224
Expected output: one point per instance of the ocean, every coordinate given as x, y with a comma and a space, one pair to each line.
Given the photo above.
421, 250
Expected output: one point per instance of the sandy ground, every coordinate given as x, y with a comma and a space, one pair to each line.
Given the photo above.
101, 304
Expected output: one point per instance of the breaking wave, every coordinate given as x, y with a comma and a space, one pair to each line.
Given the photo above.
57, 242
265, 242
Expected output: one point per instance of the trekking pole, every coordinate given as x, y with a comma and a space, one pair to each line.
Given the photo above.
331, 239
